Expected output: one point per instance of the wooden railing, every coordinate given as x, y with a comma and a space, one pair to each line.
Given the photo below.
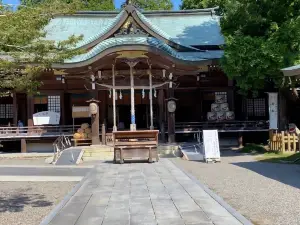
283, 142
222, 126
37, 131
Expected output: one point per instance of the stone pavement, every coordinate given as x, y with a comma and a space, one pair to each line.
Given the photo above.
141, 194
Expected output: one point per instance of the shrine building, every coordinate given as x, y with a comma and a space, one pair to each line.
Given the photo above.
148, 70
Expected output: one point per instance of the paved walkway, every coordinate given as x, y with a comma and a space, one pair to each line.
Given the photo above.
141, 194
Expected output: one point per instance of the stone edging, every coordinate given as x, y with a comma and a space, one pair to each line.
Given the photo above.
217, 198
47, 219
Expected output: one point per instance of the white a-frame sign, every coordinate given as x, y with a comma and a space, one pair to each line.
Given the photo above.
211, 146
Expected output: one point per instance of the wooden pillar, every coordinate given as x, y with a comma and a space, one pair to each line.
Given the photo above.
30, 110
171, 119
114, 99
240, 140
282, 112
150, 99
23, 146
161, 105
15, 109
95, 120
132, 111
62, 107
230, 96
102, 98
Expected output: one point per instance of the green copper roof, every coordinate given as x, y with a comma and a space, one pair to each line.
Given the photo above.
144, 41
193, 27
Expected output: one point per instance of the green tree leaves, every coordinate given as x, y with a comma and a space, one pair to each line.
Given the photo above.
24, 53
92, 5
153, 4
261, 37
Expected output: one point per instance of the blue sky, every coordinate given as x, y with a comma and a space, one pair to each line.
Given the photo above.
117, 2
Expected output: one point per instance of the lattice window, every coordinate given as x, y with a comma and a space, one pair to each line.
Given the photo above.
256, 107
9, 111
2, 111
224, 94
54, 103
6, 111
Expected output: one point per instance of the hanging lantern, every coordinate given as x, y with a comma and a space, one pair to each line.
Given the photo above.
109, 93
154, 93
143, 93
121, 96
171, 76
164, 73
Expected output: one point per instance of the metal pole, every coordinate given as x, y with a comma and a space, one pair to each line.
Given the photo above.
114, 98
150, 99
132, 125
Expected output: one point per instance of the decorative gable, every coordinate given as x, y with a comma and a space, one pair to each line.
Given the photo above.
131, 28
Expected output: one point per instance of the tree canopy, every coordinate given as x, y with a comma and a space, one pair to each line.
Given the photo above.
93, 5
261, 37
153, 4
24, 52
200, 4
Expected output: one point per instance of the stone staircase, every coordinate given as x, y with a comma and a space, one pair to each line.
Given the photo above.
98, 152
106, 153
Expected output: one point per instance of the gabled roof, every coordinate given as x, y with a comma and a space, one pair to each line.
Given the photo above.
143, 41
187, 28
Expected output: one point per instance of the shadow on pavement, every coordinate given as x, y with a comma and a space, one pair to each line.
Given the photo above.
284, 173
17, 202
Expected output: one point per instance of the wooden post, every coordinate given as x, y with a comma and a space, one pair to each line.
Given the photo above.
282, 142
289, 141
271, 140
15, 109
114, 99
30, 111
95, 122
23, 146
150, 99
62, 106
161, 105
171, 120
133, 124
103, 134
240, 140
294, 142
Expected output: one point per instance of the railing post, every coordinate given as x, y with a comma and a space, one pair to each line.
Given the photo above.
103, 134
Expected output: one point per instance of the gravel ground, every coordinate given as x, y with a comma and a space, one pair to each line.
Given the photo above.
265, 193
39, 161
27, 203
24, 161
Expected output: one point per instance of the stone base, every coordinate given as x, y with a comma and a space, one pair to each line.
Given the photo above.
133, 127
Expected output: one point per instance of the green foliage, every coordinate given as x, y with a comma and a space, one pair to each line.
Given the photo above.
24, 53
153, 4
93, 5
201, 4
261, 38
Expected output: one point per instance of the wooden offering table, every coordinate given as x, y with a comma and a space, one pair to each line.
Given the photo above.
135, 145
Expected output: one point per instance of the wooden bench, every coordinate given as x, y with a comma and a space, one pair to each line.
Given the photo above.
81, 142
135, 145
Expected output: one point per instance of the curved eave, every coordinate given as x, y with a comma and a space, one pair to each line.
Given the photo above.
146, 24
113, 45
291, 71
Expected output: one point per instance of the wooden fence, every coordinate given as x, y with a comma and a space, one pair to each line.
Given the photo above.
283, 142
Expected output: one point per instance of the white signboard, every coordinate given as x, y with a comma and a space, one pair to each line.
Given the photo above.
46, 118
273, 110
211, 145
